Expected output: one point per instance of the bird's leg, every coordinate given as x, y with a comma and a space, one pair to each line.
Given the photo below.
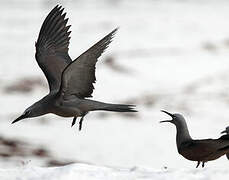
81, 121
198, 163
74, 121
203, 164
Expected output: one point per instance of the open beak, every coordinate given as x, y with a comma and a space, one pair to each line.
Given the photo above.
224, 132
23, 116
171, 121
166, 121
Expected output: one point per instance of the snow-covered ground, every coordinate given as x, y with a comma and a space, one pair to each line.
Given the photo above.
91, 172
171, 55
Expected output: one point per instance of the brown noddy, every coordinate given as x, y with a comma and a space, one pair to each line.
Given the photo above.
70, 82
203, 150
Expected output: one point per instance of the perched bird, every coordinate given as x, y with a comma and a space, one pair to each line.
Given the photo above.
70, 82
203, 150
225, 136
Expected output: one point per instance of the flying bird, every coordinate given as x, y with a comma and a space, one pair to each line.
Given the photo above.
70, 82
203, 150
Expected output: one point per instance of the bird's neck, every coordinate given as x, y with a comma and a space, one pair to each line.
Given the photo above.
42, 106
182, 134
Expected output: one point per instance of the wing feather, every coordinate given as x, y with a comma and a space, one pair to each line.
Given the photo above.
52, 46
79, 76
203, 149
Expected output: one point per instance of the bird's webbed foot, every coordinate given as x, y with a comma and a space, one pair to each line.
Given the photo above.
74, 121
81, 121
198, 163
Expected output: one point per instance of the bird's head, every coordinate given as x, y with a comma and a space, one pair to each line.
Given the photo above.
177, 119
28, 113
226, 130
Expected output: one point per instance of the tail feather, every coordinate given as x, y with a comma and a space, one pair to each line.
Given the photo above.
120, 108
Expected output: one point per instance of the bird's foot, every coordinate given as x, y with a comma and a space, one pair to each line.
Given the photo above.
203, 164
198, 163
81, 121
74, 121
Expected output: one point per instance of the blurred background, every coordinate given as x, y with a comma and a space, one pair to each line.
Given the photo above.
167, 54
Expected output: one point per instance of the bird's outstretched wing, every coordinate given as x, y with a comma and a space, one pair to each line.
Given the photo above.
79, 76
52, 47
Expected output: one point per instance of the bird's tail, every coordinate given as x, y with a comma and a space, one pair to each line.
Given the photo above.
119, 108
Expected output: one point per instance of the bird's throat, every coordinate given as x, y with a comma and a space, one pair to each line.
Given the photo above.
182, 134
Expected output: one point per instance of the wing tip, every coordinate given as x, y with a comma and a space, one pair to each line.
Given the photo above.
55, 29
112, 33
110, 36
115, 30
58, 6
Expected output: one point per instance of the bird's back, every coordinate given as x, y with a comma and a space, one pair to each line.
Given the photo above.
225, 137
204, 150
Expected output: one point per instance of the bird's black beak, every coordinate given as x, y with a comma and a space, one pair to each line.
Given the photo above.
171, 121
166, 121
23, 116
224, 132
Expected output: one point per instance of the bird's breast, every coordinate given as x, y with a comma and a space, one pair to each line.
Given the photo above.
66, 111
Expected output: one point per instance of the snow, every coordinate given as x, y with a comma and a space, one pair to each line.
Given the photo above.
92, 172
175, 54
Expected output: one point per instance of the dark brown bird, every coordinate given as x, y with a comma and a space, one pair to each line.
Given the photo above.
203, 150
70, 82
